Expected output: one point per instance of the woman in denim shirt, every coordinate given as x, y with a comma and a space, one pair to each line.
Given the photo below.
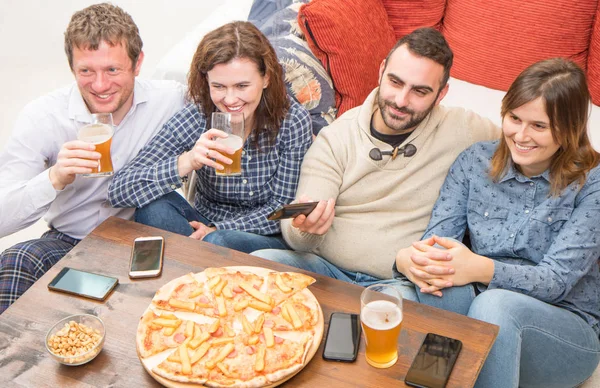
531, 202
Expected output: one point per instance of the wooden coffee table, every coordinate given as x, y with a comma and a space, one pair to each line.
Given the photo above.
24, 360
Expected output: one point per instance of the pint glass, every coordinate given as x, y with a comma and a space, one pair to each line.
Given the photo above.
233, 125
99, 132
381, 319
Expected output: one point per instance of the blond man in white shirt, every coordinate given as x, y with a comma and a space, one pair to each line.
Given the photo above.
41, 166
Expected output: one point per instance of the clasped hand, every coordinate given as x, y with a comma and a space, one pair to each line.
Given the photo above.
433, 268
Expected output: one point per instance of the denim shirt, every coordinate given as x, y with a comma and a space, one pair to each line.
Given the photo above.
543, 246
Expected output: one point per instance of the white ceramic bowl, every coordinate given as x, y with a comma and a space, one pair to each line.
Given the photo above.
62, 327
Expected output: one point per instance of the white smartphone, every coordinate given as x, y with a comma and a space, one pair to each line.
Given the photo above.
147, 257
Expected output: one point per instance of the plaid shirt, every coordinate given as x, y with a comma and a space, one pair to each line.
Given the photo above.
269, 177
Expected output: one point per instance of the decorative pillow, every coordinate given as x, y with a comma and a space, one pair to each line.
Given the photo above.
492, 44
405, 16
593, 65
351, 38
305, 77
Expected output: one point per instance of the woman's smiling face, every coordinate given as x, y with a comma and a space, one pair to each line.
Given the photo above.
529, 137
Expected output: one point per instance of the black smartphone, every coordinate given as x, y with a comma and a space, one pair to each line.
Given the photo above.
86, 284
292, 210
432, 366
146, 257
343, 337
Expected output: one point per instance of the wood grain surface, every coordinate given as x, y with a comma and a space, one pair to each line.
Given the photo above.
25, 362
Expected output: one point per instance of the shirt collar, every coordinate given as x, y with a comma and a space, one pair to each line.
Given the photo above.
78, 110
513, 173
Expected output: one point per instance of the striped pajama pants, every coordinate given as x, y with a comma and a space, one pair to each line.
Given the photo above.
22, 264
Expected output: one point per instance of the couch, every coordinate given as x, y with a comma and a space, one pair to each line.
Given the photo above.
331, 49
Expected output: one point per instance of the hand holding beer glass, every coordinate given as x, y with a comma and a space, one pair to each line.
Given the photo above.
233, 125
381, 319
99, 132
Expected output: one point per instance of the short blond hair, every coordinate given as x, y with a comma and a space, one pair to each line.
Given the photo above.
99, 23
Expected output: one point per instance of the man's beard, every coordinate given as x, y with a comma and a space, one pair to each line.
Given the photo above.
398, 124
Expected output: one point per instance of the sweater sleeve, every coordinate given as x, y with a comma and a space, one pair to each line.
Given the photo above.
320, 179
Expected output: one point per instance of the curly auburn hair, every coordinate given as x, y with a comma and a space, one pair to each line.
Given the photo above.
241, 40
102, 23
562, 86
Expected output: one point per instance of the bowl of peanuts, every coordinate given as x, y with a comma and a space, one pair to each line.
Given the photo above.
76, 339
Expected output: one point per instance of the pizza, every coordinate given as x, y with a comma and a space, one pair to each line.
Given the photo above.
230, 327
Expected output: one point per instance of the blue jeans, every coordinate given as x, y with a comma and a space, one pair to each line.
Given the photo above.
173, 213
313, 263
538, 345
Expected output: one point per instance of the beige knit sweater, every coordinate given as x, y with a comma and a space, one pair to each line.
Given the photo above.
381, 206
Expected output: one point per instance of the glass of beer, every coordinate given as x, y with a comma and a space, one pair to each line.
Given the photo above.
381, 320
233, 125
99, 132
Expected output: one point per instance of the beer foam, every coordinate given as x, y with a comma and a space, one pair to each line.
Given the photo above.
95, 133
232, 141
381, 315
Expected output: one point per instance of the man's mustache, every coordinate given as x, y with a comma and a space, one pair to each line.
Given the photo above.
403, 109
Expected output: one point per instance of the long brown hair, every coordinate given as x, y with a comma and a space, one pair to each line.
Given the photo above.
241, 40
562, 86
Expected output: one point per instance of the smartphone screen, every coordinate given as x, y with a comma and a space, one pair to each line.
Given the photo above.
146, 257
434, 361
83, 283
292, 210
343, 337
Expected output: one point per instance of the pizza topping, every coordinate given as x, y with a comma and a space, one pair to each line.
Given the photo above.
186, 366
198, 340
224, 352
202, 350
257, 294
219, 287
218, 333
182, 304
278, 340
258, 305
179, 338
222, 341
258, 323
212, 282
233, 354
282, 286
253, 340
223, 368
227, 293
250, 350
285, 314
189, 329
198, 291
276, 310
296, 322
259, 365
168, 331
214, 326
239, 306
269, 323
162, 322
246, 325
269, 338
221, 306
237, 289
203, 299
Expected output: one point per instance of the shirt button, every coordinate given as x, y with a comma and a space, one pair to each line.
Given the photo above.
527, 211
530, 183
549, 219
245, 181
249, 157
243, 152
486, 214
251, 193
174, 187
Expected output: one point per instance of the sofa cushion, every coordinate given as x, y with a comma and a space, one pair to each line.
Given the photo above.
305, 77
593, 65
351, 38
492, 44
407, 15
